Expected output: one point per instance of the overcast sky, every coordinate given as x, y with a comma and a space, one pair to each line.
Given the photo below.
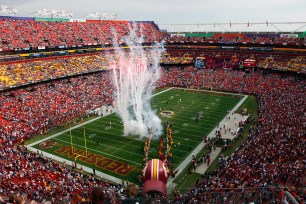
176, 11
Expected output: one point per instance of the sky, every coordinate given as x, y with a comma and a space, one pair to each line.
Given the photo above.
165, 12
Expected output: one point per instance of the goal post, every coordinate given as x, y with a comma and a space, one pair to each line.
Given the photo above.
85, 141
73, 145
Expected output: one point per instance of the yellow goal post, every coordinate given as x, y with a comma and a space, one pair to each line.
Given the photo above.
73, 146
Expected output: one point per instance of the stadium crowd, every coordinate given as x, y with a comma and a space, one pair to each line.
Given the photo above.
19, 34
271, 156
235, 38
274, 152
37, 178
27, 72
234, 59
34, 110
14, 74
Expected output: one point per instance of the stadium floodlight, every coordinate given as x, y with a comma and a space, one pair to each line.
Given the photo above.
8, 9
264, 26
100, 16
53, 12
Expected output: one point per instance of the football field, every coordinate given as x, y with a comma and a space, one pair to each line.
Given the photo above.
108, 151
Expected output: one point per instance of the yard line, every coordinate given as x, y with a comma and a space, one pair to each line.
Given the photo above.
207, 124
207, 98
105, 145
108, 140
127, 143
156, 142
162, 91
80, 125
93, 150
152, 141
203, 90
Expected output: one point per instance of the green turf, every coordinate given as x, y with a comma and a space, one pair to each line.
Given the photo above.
187, 133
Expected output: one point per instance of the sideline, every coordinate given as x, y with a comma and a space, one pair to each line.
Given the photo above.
212, 91
183, 165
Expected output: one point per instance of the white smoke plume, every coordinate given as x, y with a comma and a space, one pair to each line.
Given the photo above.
135, 72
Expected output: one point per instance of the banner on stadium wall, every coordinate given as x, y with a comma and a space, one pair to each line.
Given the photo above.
229, 35
249, 63
41, 47
302, 35
263, 35
289, 35
17, 18
106, 21
228, 47
53, 19
77, 20
260, 48
199, 34
177, 35
151, 22
34, 54
60, 52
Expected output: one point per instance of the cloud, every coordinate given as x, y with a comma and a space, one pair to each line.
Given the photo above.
176, 11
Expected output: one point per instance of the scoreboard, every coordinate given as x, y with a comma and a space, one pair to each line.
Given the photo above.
200, 63
249, 63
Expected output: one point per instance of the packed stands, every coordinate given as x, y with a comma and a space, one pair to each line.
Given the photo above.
18, 34
273, 152
14, 74
296, 64
34, 110
234, 59
26, 72
276, 160
246, 39
272, 156
41, 179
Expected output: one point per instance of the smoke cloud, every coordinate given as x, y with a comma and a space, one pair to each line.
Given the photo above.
135, 72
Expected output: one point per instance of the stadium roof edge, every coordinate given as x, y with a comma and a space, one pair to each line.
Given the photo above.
237, 32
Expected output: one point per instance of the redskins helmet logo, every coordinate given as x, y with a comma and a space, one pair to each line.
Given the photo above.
47, 144
155, 170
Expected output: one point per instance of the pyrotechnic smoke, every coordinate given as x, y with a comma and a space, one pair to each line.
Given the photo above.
135, 72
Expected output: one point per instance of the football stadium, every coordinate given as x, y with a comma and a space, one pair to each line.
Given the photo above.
98, 109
